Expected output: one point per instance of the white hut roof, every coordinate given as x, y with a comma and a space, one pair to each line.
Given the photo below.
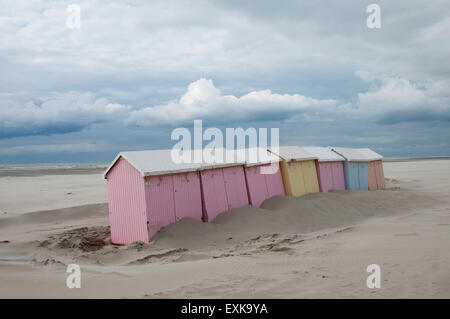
369, 154
324, 154
220, 157
161, 162
292, 153
357, 154
156, 162
257, 156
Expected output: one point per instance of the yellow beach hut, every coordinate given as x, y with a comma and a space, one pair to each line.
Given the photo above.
298, 170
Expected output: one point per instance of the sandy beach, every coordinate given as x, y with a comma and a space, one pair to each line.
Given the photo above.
314, 246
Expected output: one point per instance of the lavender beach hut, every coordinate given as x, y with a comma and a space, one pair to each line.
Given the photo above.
262, 174
223, 184
147, 190
329, 167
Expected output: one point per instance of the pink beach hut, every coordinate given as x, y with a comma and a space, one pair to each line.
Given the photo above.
147, 190
262, 175
223, 184
329, 167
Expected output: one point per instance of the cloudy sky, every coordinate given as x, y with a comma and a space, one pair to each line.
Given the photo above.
135, 70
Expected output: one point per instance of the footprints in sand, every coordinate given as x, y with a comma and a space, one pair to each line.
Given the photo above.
262, 244
92, 245
159, 256
276, 243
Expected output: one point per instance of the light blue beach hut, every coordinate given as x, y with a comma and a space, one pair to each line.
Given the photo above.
356, 172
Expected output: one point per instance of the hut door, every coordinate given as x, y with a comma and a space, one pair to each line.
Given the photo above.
160, 201
363, 176
310, 176
296, 178
325, 176
235, 186
188, 201
353, 175
257, 188
372, 176
380, 174
214, 193
338, 175
274, 182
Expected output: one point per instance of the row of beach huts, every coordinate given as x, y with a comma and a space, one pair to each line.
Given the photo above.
148, 190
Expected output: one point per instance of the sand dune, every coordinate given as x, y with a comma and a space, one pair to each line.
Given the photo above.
316, 245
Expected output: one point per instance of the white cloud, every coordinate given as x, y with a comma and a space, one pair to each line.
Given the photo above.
388, 100
205, 101
58, 113
394, 99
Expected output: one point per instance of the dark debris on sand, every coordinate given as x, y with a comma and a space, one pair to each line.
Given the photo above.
85, 239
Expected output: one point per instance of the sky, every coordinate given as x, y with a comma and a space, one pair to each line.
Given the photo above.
136, 70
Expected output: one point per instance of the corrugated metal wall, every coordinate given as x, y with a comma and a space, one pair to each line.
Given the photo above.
126, 203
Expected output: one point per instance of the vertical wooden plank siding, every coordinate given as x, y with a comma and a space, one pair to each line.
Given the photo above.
300, 177
319, 177
363, 176
325, 176
263, 186
379, 172
235, 186
126, 204
296, 177
347, 175
351, 172
274, 182
338, 175
310, 176
160, 202
372, 176
188, 201
286, 178
256, 185
214, 195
